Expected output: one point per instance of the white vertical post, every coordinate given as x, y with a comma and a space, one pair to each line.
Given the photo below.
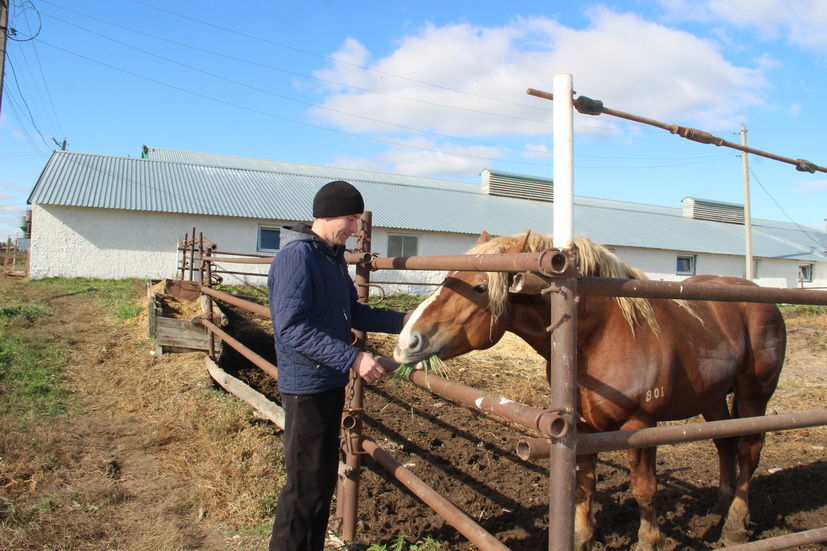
749, 263
563, 339
563, 142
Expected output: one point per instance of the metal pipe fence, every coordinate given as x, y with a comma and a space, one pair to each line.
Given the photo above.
541, 273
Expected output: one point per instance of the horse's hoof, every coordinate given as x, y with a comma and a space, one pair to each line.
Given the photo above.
733, 536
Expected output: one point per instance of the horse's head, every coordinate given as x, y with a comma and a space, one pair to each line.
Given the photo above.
467, 312
472, 310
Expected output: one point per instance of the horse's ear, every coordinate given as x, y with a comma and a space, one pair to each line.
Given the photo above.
484, 237
519, 246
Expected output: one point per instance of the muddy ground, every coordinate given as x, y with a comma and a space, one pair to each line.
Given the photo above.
469, 457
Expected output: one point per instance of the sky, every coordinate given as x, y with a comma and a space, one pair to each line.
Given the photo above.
430, 88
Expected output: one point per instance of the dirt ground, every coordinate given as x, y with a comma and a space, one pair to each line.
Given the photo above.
469, 457
155, 457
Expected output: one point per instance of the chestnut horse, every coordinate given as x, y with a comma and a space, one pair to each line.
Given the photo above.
639, 361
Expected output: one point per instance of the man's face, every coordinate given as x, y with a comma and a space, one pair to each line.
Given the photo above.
337, 230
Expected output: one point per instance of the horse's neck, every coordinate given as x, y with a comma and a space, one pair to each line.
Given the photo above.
530, 320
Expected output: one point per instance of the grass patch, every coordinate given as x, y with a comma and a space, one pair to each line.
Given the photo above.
26, 311
400, 303
32, 379
802, 309
128, 311
250, 291
116, 295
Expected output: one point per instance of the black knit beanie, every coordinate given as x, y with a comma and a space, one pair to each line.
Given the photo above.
337, 198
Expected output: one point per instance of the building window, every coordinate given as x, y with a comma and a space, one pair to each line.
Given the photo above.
685, 265
805, 273
268, 239
403, 245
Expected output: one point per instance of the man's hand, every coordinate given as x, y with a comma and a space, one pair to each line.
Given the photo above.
367, 368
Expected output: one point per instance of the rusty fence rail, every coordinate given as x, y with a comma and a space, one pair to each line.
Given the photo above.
677, 434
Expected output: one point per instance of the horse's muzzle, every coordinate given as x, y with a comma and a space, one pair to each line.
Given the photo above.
411, 347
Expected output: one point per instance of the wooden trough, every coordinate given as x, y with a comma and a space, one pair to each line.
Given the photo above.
182, 331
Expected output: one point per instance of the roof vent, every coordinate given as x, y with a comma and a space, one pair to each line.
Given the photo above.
715, 211
504, 184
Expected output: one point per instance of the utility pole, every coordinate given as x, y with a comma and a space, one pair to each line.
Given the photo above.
748, 271
4, 28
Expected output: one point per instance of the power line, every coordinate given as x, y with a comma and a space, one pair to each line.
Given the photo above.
269, 92
279, 69
334, 59
777, 204
12, 32
46, 86
281, 117
28, 81
23, 100
302, 102
16, 110
696, 162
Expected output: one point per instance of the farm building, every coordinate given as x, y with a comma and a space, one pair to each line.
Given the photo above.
112, 217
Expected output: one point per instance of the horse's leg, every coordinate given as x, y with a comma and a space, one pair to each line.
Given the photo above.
583, 516
754, 386
727, 452
644, 488
749, 453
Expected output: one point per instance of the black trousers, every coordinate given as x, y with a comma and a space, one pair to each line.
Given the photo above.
311, 456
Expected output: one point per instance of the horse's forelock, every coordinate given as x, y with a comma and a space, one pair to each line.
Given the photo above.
498, 281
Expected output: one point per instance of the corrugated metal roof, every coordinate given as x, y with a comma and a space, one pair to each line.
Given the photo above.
284, 191
265, 165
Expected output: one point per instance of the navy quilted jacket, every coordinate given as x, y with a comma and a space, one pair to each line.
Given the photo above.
313, 306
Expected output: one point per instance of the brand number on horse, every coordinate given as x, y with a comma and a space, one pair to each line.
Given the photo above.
654, 394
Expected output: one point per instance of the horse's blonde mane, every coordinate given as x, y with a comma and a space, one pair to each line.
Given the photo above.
595, 260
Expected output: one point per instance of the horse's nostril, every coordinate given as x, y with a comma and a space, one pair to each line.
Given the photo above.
414, 342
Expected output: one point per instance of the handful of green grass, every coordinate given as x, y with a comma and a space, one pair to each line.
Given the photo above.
432, 363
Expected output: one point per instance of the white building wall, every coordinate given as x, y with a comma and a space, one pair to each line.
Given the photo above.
114, 244
416, 282
111, 244
661, 264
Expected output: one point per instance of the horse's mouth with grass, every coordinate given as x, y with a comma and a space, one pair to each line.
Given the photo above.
414, 351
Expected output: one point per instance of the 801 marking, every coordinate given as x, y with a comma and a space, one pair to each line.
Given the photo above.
655, 393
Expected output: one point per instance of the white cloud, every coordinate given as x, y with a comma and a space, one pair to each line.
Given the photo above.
808, 188
801, 22
427, 158
358, 163
537, 151
424, 158
630, 63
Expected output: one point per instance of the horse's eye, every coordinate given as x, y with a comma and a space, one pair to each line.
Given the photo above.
481, 288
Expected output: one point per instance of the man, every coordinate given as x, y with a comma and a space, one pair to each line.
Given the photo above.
313, 307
